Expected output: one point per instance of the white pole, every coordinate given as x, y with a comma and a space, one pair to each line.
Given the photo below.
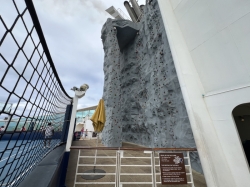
79, 93
72, 123
96, 151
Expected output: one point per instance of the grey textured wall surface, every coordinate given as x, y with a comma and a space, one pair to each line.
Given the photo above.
143, 99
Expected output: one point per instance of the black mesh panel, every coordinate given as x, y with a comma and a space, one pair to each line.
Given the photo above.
31, 93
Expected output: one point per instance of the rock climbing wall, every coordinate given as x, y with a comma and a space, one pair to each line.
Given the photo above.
143, 99
111, 134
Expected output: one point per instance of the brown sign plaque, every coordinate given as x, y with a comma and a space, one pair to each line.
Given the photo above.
172, 168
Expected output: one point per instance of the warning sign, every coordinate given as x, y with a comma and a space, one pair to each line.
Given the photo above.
172, 168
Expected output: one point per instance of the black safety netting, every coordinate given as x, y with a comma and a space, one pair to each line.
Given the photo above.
31, 93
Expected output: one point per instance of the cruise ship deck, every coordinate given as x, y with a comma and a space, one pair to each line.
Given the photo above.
174, 78
199, 180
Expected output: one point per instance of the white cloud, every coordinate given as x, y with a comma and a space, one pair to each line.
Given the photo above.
72, 29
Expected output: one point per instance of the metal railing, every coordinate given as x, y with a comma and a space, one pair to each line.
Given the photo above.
119, 164
29, 81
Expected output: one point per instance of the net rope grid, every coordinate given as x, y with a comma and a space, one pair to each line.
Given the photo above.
30, 84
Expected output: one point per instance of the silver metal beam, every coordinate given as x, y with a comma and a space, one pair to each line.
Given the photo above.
131, 12
136, 7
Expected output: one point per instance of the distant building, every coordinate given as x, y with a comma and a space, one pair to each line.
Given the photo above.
83, 116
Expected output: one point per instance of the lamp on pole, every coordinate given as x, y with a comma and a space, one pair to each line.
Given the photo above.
79, 93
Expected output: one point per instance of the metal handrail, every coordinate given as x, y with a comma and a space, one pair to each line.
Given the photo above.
118, 165
134, 149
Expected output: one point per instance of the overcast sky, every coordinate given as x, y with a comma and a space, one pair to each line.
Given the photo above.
72, 29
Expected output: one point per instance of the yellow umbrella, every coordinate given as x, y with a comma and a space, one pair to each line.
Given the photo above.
99, 117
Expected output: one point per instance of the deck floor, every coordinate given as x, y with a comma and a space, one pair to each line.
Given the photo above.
199, 180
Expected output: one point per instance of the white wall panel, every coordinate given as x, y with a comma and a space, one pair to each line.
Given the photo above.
175, 3
220, 107
183, 7
225, 12
217, 33
210, 44
212, 157
219, 63
197, 23
200, 20
240, 32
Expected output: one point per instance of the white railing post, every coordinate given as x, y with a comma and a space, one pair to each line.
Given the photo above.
153, 169
120, 163
79, 93
190, 170
118, 168
77, 166
72, 124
